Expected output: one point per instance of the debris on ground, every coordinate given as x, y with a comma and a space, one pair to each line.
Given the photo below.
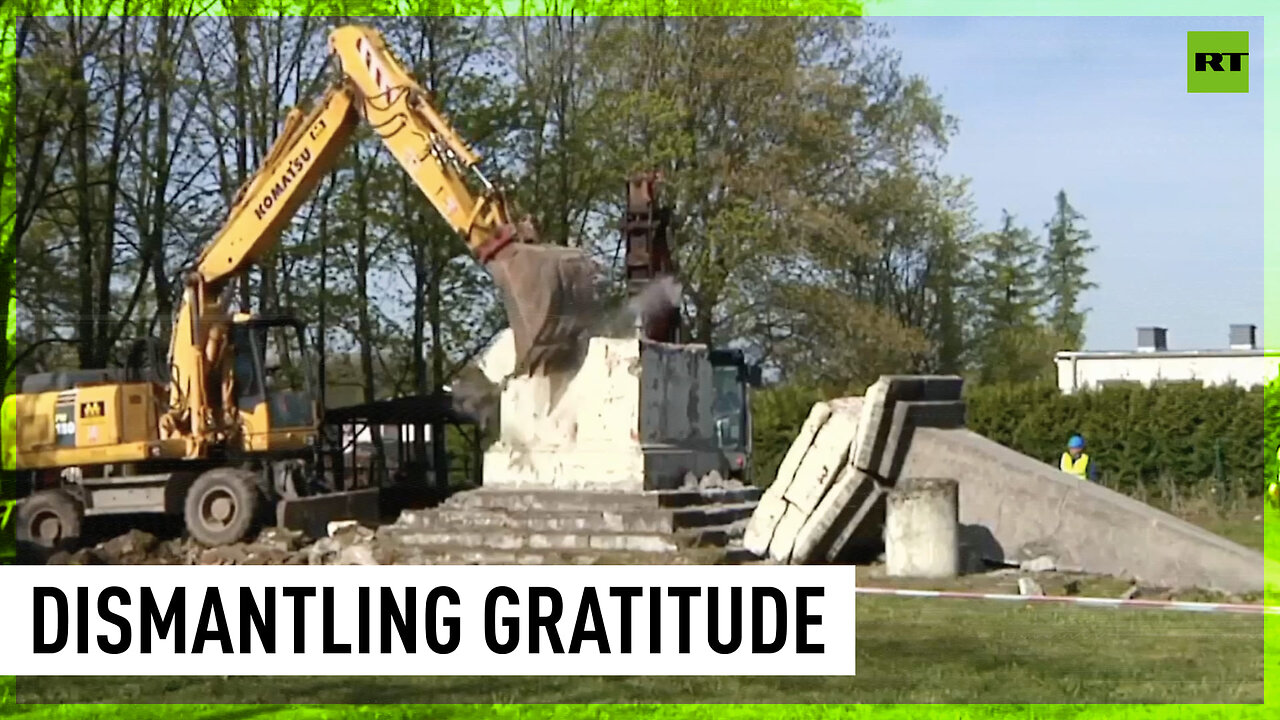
1044, 563
281, 539
128, 548
711, 481
1027, 586
1131, 593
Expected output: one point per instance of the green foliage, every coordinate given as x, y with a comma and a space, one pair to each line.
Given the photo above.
1271, 425
1063, 273
1178, 432
776, 415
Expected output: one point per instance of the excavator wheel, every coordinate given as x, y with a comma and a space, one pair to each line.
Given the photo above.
222, 506
48, 521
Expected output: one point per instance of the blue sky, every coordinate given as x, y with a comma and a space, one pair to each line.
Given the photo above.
1170, 183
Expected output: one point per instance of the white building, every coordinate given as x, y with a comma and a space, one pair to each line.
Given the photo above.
1242, 363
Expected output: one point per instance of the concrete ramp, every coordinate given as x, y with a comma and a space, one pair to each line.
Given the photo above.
1014, 508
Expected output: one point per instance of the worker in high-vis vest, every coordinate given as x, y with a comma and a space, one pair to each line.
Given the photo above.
1076, 461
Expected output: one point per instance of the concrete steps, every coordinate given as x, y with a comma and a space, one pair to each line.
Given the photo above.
648, 520
589, 500
691, 526
452, 555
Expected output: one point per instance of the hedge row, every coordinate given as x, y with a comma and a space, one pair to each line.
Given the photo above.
1180, 432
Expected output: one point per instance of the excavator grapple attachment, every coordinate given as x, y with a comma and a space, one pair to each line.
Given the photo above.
549, 293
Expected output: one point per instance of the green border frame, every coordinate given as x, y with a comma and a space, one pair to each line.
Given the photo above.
1270, 65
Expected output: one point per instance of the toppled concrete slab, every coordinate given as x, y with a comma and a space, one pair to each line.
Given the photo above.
850, 516
1026, 509
772, 505
817, 471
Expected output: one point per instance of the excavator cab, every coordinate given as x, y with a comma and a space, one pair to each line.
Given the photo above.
273, 383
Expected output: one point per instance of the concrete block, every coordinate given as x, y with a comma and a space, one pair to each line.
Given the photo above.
1029, 508
921, 532
821, 525
636, 415
847, 506
784, 536
829, 453
869, 424
772, 505
862, 522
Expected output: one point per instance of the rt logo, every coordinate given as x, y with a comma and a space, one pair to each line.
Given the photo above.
1217, 62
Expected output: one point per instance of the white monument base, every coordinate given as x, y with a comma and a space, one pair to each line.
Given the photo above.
637, 415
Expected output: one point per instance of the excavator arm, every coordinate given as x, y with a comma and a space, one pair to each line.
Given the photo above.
305, 151
548, 291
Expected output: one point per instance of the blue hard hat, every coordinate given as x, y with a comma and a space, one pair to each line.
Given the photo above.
1075, 442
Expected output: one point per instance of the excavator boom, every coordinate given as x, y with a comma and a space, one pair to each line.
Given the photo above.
548, 291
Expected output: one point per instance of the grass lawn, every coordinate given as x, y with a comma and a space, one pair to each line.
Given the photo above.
909, 650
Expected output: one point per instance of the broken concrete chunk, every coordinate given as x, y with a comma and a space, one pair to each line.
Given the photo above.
282, 539
356, 555
130, 547
1131, 593
1044, 563
712, 480
1027, 586
337, 525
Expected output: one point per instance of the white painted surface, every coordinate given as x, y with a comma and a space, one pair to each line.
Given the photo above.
499, 360
1082, 371
922, 531
828, 455
636, 415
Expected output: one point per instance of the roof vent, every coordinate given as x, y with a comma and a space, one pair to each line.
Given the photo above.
1244, 337
1152, 339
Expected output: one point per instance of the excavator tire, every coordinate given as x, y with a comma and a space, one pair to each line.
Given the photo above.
222, 506
47, 522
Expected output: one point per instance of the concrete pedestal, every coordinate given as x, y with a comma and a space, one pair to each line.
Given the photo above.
636, 415
921, 533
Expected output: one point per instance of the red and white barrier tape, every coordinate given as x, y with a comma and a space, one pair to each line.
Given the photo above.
1088, 601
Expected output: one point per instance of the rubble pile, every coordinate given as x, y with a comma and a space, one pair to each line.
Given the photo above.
349, 545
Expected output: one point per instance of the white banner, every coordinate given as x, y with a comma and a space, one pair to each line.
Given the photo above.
427, 620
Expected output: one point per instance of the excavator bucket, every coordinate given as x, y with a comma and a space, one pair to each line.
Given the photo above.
549, 293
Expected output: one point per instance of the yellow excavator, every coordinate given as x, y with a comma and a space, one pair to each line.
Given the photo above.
230, 424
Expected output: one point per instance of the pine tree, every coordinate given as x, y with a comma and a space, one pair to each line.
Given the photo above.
1007, 295
1063, 273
